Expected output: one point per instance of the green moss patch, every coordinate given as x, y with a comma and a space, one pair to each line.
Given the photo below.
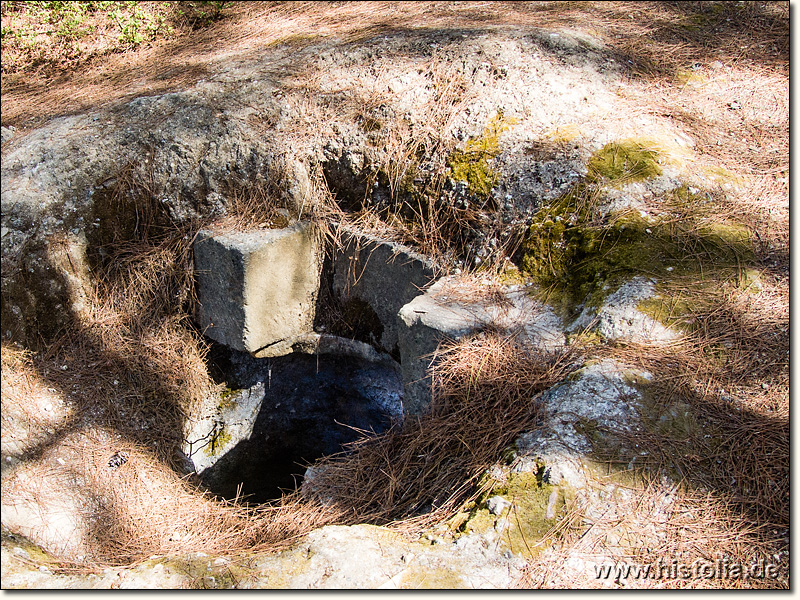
202, 571
623, 162
511, 275
432, 579
526, 520
35, 554
219, 439
227, 398
672, 311
576, 258
472, 166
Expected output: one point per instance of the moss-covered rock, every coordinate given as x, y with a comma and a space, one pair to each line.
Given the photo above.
522, 527
472, 165
623, 162
578, 258
220, 439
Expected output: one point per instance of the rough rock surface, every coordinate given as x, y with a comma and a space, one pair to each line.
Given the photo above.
620, 319
210, 438
383, 274
601, 395
257, 290
333, 557
450, 310
322, 343
57, 525
242, 124
6, 134
59, 181
359, 557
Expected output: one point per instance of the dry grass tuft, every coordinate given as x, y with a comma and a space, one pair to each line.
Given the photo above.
660, 525
718, 409
729, 445
147, 509
420, 474
133, 365
124, 514
128, 370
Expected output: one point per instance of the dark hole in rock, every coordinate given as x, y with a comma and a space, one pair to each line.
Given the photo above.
311, 405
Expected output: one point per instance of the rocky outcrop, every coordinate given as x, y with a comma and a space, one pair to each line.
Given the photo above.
619, 317
333, 557
71, 179
65, 185
604, 393
602, 397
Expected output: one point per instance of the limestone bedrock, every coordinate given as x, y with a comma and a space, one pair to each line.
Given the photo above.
257, 289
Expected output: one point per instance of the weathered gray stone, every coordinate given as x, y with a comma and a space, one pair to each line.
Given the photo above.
211, 437
620, 319
497, 504
362, 556
6, 133
383, 274
449, 310
257, 290
300, 190
602, 393
58, 525
192, 148
423, 324
320, 343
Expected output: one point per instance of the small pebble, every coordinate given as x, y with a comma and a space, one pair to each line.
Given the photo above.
497, 504
551, 505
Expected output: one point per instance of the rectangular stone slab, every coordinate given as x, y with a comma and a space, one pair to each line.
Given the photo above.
384, 274
257, 289
448, 312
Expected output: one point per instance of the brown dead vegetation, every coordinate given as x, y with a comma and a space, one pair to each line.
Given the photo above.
136, 359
